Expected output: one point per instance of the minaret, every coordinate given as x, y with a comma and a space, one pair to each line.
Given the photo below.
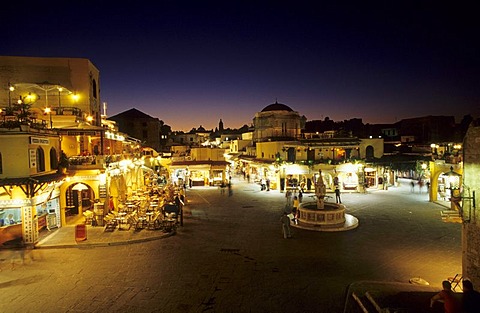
220, 125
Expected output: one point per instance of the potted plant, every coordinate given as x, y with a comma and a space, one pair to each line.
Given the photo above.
63, 162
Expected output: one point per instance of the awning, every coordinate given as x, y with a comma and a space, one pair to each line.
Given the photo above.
32, 184
31, 179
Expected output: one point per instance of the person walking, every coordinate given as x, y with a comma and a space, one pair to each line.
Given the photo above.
450, 303
222, 188
337, 195
285, 220
470, 298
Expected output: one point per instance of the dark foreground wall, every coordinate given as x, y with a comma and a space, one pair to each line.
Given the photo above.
471, 227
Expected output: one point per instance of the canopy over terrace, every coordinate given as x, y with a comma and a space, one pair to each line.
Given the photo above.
83, 129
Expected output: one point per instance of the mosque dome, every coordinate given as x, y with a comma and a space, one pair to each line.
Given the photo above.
277, 107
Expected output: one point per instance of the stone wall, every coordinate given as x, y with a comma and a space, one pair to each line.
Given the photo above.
471, 227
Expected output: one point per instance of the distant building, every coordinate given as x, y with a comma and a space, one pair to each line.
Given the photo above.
151, 131
196, 137
286, 155
428, 129
277, 121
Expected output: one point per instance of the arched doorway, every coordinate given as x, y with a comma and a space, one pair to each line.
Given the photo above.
79, 198
439, 181
369, 152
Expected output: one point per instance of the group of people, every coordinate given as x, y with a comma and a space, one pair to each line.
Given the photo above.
227, 185
420, 184
469, 302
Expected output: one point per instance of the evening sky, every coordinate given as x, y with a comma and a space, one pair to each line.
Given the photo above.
192, 63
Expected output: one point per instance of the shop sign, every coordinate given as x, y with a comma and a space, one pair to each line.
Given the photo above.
82, 133
15, 203
39, 141
83, 178
32, 156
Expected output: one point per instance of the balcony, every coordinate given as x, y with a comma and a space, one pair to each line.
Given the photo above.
88, 162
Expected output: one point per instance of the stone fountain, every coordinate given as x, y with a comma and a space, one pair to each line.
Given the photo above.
324, 216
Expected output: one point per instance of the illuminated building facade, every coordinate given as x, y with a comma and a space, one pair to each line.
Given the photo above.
55, 147
68, 87
287, 156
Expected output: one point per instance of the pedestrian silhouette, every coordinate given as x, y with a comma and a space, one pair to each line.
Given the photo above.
470, 298
337, 195
285, 220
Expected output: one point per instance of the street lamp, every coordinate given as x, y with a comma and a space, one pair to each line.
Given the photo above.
75, 97
453, 180
49, 112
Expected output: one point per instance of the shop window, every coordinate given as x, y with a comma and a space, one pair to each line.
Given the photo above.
53, 159
40, 160
10, 217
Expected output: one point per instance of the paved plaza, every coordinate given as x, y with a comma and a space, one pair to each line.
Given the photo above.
230, 256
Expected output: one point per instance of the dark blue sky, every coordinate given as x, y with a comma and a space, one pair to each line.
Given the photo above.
191, 63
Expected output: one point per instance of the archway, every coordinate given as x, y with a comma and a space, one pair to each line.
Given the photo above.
369, 152
79, 198
438, 181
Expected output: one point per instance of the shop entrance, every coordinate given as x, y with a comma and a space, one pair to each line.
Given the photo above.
79, 198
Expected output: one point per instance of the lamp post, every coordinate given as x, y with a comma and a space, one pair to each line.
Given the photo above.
10, 89
49, 112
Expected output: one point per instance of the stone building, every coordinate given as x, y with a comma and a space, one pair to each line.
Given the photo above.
471, 218
151, 131
277, 121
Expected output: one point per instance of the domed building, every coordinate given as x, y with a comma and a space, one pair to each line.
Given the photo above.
277, 121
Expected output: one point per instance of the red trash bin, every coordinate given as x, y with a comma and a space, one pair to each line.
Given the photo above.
80, 232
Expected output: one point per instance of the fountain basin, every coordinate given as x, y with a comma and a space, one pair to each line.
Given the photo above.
331, 218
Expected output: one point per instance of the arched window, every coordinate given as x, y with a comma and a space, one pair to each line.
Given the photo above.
94, 87
369, 152
40, 160
53, 159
